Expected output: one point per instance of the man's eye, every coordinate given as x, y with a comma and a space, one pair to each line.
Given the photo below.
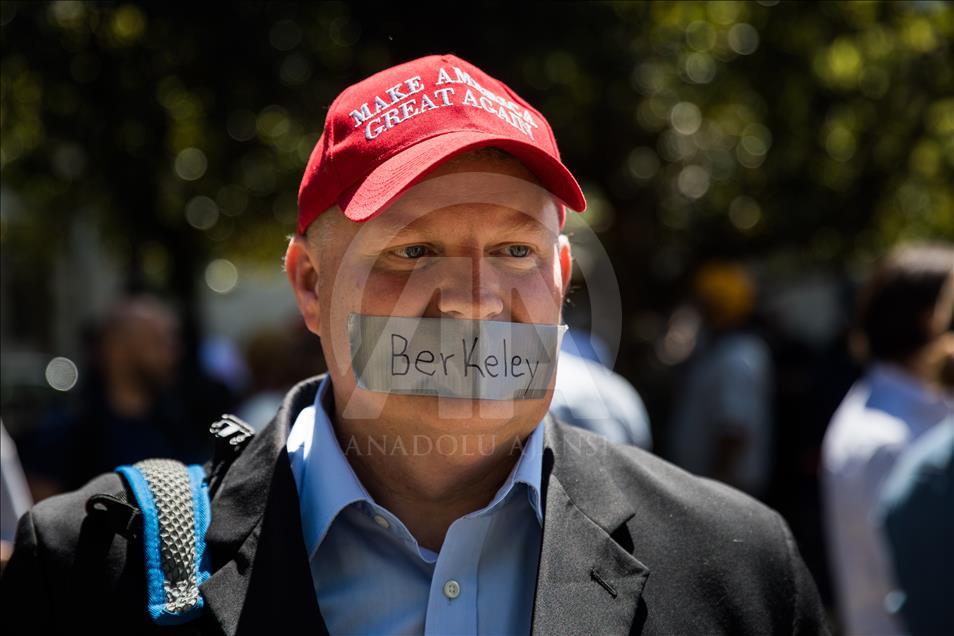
518, 251
412, 251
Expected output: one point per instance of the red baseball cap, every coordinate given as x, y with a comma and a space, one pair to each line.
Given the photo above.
386, 132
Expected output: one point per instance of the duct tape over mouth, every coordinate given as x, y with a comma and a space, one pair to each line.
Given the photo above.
475, 359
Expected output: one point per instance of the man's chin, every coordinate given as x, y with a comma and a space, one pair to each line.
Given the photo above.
462, 415
429, 414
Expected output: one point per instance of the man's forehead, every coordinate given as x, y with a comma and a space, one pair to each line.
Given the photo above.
470, 217
473, 186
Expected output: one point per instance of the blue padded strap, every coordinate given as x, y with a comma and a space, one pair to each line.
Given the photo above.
203, 517
174, 502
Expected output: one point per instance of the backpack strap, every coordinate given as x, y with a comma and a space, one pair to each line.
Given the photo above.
168, 505
174, 502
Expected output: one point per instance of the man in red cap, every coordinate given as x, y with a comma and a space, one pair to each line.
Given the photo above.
420, 485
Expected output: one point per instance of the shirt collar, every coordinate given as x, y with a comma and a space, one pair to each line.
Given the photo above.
327, 483
899, 392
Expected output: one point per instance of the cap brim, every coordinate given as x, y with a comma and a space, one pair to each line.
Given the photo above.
373, 194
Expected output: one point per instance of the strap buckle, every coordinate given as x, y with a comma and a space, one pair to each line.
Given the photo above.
231, 433
121, 517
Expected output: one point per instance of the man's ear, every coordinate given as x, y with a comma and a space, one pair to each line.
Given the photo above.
301, 267
566, 262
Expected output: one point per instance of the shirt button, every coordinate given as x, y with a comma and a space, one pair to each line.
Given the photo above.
451, 589
381, 521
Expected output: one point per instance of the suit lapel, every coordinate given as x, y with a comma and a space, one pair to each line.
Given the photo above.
262, 579
587, 580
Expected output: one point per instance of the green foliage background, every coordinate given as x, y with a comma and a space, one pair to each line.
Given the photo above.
806, 135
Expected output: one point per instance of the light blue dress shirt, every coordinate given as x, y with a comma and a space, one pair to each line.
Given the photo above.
370, 574
882, 415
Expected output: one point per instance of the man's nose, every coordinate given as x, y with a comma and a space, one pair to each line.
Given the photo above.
469, 289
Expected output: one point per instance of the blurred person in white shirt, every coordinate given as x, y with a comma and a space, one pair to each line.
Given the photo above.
904, 333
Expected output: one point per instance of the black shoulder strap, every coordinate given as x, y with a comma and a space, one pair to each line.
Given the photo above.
118, 511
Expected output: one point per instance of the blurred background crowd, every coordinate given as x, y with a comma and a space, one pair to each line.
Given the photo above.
771, 182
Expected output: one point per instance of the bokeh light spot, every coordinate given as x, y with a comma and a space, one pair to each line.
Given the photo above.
700, 68
241, 125
128, 24
693, 181
743, 38
685, 118
744, 213
700, 36
190, 164
202, 212
61, 373
221, 276
643, 163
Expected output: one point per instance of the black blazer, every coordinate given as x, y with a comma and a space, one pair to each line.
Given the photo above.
631, 544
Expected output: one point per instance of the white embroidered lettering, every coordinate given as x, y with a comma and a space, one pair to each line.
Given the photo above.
361, 114
443, 93
370, 131
426, 103
408, 109
443, 77
414, 85
391, 118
